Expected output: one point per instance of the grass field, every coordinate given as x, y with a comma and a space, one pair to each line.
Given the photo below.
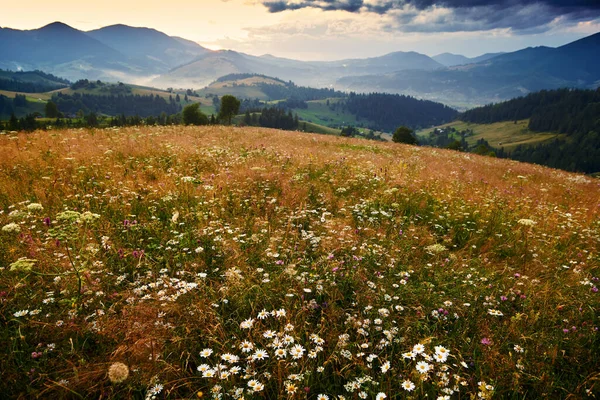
32, 97
319, 113
500, 134
220, 262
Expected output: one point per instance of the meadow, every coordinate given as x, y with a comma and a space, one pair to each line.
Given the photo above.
506, 134
239, 263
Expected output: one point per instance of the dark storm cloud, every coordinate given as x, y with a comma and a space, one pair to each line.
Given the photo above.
466, 15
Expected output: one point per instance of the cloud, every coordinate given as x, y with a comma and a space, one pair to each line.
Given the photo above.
521, 16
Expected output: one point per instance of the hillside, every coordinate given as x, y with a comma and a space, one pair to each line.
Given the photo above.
499, 135
30, 81
557, 128
150, 259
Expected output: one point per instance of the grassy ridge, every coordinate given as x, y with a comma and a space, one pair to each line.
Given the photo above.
260, 263
499, 134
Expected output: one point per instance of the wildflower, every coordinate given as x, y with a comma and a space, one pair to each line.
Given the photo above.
322, 397
496, 313
247, 324
209, 373
23, 264
408, 386
485, 341
118, 372
203, 368
418, 348
12, 227
436, 248
290, 388
246, 346
280, 353
518, 348
206, 353
380, 396
423, 367
280, 313
297, 351
258, 387
21, 313
156, 389
385, 367
526, 222
260, 354
230, 358
35, 207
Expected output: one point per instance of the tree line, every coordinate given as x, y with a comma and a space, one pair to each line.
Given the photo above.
388, 111
566, 111
129, 105
30, 81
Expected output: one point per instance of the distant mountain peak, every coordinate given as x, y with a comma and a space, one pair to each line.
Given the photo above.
57, 25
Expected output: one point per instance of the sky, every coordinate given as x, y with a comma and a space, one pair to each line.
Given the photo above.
331, 29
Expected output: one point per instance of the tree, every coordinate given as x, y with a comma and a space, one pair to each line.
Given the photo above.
230, 106
51, 110
349, 131
193, 116
13, 123
404, 135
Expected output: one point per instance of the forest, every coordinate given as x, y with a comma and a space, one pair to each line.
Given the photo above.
388, 111
272, 117
128, 105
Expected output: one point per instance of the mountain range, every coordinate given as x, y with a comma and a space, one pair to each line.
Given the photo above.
116, 52
144, 55
574, 65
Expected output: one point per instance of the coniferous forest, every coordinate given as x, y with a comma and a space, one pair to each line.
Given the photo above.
129, 105
388, 111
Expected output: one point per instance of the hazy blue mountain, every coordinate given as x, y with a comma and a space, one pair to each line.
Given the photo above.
147, 47
208, 67
451, 60
499, 78
57, 48
485, 57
